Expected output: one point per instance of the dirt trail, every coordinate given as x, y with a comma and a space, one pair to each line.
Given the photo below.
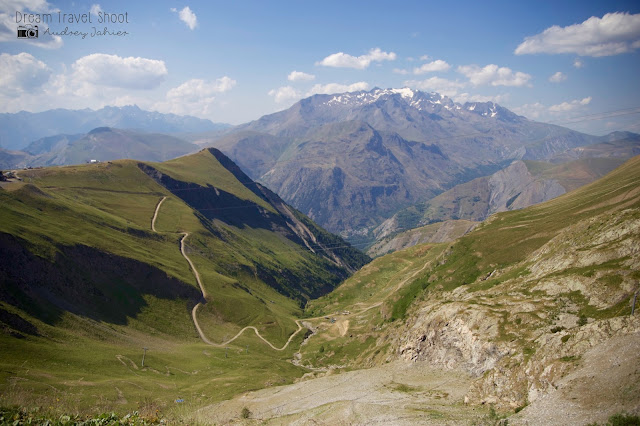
194, 311
155, 214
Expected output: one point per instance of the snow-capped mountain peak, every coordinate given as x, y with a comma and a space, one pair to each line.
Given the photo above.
427, 103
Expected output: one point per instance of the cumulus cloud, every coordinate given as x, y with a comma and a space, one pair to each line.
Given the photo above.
343, 60
285, 94
558, 77
437, 84
337, 88
300, 76
437, 65
8, 25
494, 75
570, 106
187, 16
195, 97
613, 34
539, 111
95, 9
466, 97
532, 111
114, 71
578, 63
196, 88
22, 73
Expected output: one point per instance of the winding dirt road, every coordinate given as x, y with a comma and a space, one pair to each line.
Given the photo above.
155, 214
194, 311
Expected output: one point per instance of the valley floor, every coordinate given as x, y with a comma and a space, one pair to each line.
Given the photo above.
605, 383
394, 394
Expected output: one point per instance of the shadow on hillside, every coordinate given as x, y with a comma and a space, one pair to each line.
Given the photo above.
84, 281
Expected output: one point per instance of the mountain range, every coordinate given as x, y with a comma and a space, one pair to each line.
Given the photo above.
100, 144
351, 160
361, 164
17, 130
185, 291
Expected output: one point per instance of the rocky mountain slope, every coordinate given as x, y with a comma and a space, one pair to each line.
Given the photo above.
439, 232
521, 184
521, 303
373, 153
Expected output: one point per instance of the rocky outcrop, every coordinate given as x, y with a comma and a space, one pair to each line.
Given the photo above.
455, 337
514, 188
520, 336
511, 188
435, 233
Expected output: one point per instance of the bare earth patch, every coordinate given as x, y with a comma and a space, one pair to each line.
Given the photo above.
394, 394
606, 382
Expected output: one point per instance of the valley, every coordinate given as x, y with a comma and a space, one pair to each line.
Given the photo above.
182, 290
310, 213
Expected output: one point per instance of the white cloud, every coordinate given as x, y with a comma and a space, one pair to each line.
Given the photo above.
95, 9
578, 63
300, 76
187, 16
558, 77
343, 60
570, 106
97, 80
494, 75
437, 65
425, 57
613, 34
532, 111
9, 26
437, 84
401, 71
285, 94
114, 71
337, 88
195, 97
466, 97
538, 111
22, 73
197, 88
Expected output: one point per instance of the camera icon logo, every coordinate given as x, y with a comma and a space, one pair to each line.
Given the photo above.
28, 31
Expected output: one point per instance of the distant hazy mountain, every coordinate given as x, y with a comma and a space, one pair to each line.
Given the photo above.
351, 160
51, 143
101, 144
105, 143
12, 159
615, 144
19, 129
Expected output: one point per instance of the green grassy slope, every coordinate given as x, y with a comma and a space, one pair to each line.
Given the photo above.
86, 284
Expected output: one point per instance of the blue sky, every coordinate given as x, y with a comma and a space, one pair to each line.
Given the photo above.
575, 63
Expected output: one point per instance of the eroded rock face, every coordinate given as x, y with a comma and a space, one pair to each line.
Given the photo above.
451, 337
515, 188
520, 337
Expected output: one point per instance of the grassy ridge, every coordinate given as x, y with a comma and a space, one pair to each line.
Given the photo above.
79, 220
